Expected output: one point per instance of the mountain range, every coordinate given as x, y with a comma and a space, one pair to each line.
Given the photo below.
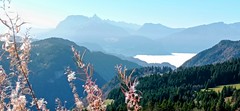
156, 31
104, 35
196, 39
148, 39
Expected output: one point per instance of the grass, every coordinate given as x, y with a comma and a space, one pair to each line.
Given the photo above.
219, 88
108, 101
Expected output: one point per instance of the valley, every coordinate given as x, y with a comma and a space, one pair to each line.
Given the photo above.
119, 56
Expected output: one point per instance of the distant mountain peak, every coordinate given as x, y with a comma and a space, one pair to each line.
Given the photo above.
156, 31
226, 41
218, 23
154, 25
72, 22
96, 18
76, 17
78, 26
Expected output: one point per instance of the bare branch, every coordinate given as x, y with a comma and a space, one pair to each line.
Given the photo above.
132, 96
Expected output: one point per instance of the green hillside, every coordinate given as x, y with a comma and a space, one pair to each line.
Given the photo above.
181, 89
50, 58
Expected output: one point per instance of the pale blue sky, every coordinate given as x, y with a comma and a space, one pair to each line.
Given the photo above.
173, 13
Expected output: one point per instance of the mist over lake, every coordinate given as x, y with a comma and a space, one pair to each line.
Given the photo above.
176, 59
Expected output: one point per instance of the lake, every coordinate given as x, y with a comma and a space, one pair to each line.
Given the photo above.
176, 59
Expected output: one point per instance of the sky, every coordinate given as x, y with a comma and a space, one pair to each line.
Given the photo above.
172, 13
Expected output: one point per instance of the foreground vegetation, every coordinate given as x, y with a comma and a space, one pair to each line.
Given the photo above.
181, 89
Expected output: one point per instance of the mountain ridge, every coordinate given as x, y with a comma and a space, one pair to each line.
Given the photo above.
223, 51
105, 33
198, 38
156, 31
49, 61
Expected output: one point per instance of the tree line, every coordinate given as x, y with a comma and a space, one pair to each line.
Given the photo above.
181, 89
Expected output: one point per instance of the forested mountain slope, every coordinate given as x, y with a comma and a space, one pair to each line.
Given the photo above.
180, 89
